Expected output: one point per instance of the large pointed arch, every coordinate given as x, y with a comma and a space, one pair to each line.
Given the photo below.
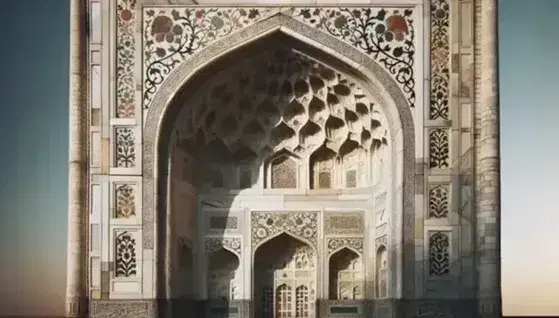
284, 31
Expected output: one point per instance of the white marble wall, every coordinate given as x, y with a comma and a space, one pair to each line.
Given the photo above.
115, 119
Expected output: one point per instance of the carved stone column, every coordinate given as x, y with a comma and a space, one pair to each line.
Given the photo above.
76, 289
488, 215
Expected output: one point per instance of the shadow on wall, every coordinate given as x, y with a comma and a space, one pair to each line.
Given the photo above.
246, 124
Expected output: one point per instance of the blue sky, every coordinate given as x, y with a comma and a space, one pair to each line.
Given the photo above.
34, 139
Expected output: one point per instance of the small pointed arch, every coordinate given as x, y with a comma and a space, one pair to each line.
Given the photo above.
345, 274
322, 163
381, 272
223, 265
353, 159
282, 170
266, 252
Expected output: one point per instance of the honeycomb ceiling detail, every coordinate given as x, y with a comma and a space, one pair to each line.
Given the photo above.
279, 101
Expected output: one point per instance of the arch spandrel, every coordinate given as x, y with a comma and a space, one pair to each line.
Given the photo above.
300, 225
173, 36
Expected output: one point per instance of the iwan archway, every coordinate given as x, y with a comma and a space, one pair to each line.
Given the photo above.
283, 161
286, 138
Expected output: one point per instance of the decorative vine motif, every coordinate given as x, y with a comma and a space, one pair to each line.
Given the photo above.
172, 35
266, 224
438, 201
214, 244
439, 256
125, 264
125, 201
439, 157
353, 242
125, 58
125, 147
385, 35
440, 53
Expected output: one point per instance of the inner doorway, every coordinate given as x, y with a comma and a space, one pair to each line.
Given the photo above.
284, 279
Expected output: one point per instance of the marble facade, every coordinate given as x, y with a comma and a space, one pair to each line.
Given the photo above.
304, 160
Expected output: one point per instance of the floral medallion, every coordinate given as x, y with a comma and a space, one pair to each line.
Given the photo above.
268, 224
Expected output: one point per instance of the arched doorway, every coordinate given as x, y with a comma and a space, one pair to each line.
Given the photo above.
284, 281
346, 275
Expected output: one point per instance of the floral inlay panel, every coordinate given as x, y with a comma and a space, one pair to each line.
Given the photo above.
439, 253
125, 258
440, 57
438, 201
125, 200
214, 244
439, 148
386, 35
125, 20
353, 242
299, 224
173, 34
125, 154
